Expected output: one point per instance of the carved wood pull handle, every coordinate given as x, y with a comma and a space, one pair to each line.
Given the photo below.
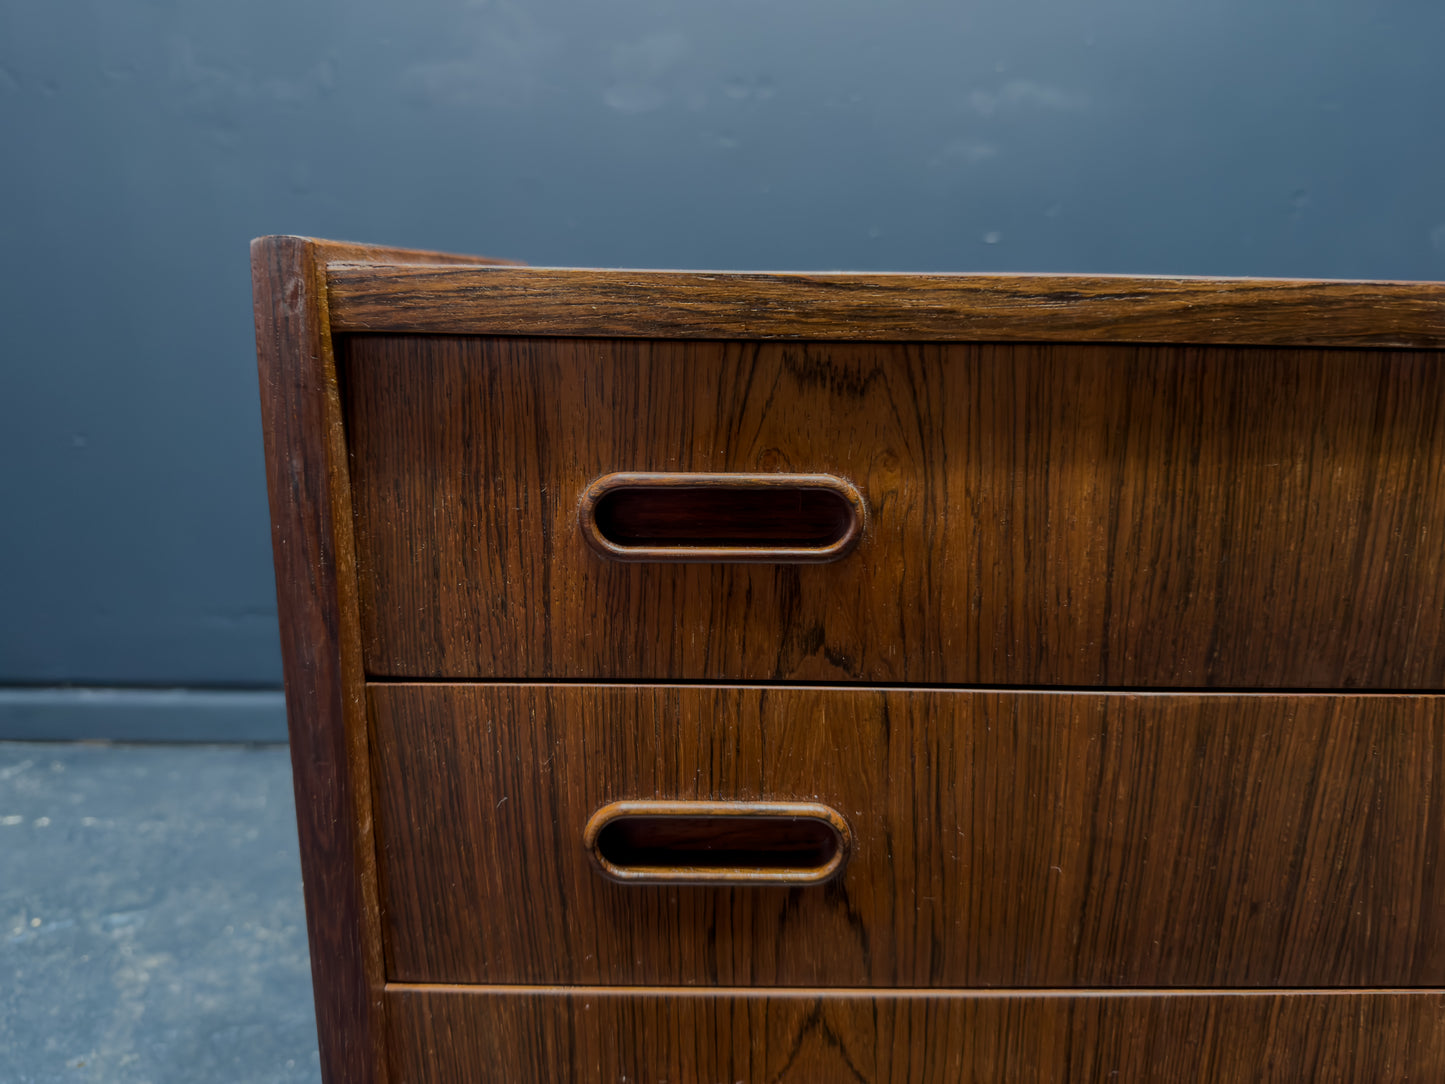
741, 843
767, 518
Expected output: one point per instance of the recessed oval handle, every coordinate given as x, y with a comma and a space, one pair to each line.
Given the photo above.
768, 518
743, 843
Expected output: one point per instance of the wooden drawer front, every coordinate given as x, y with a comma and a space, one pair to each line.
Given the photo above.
1063, 514
998, 839
597, 1035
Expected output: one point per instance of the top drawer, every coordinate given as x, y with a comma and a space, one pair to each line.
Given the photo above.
1056, 514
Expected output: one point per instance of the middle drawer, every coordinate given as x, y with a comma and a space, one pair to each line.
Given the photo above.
1011, 839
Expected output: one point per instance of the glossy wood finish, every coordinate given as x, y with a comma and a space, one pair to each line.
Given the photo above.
1064, 515
741, 843
1053, 498
890, 308
998, 839
757, 518
311, 522
599, 1036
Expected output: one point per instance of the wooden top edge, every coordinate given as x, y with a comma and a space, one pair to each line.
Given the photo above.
887, 306
347, 264
330, 252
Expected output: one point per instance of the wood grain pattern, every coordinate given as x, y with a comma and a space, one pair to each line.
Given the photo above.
777, 1037
1063, 515
881, 307
1053, 497
315, 561
998, 839
320, 645
314, 553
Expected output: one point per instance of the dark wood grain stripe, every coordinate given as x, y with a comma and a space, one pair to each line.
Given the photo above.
997, 308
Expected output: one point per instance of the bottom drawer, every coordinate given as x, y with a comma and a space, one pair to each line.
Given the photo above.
996, 839
439, 1036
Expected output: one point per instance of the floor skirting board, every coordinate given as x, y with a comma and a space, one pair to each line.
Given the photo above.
142, 715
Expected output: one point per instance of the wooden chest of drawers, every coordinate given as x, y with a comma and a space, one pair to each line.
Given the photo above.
716, 677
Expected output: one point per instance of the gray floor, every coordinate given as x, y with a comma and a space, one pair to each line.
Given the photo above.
151, 924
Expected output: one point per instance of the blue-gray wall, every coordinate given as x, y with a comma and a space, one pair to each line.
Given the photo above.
142, 144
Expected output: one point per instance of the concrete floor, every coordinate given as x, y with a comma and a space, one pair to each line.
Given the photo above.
151, 924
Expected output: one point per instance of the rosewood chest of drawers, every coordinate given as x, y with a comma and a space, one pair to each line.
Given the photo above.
887, 678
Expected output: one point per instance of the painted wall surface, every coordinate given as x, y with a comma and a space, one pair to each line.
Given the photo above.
145, 143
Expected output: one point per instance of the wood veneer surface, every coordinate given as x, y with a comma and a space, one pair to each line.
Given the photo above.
882, 307
777, 1037
312, 535
1044, 512
999, 839
1068, 515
